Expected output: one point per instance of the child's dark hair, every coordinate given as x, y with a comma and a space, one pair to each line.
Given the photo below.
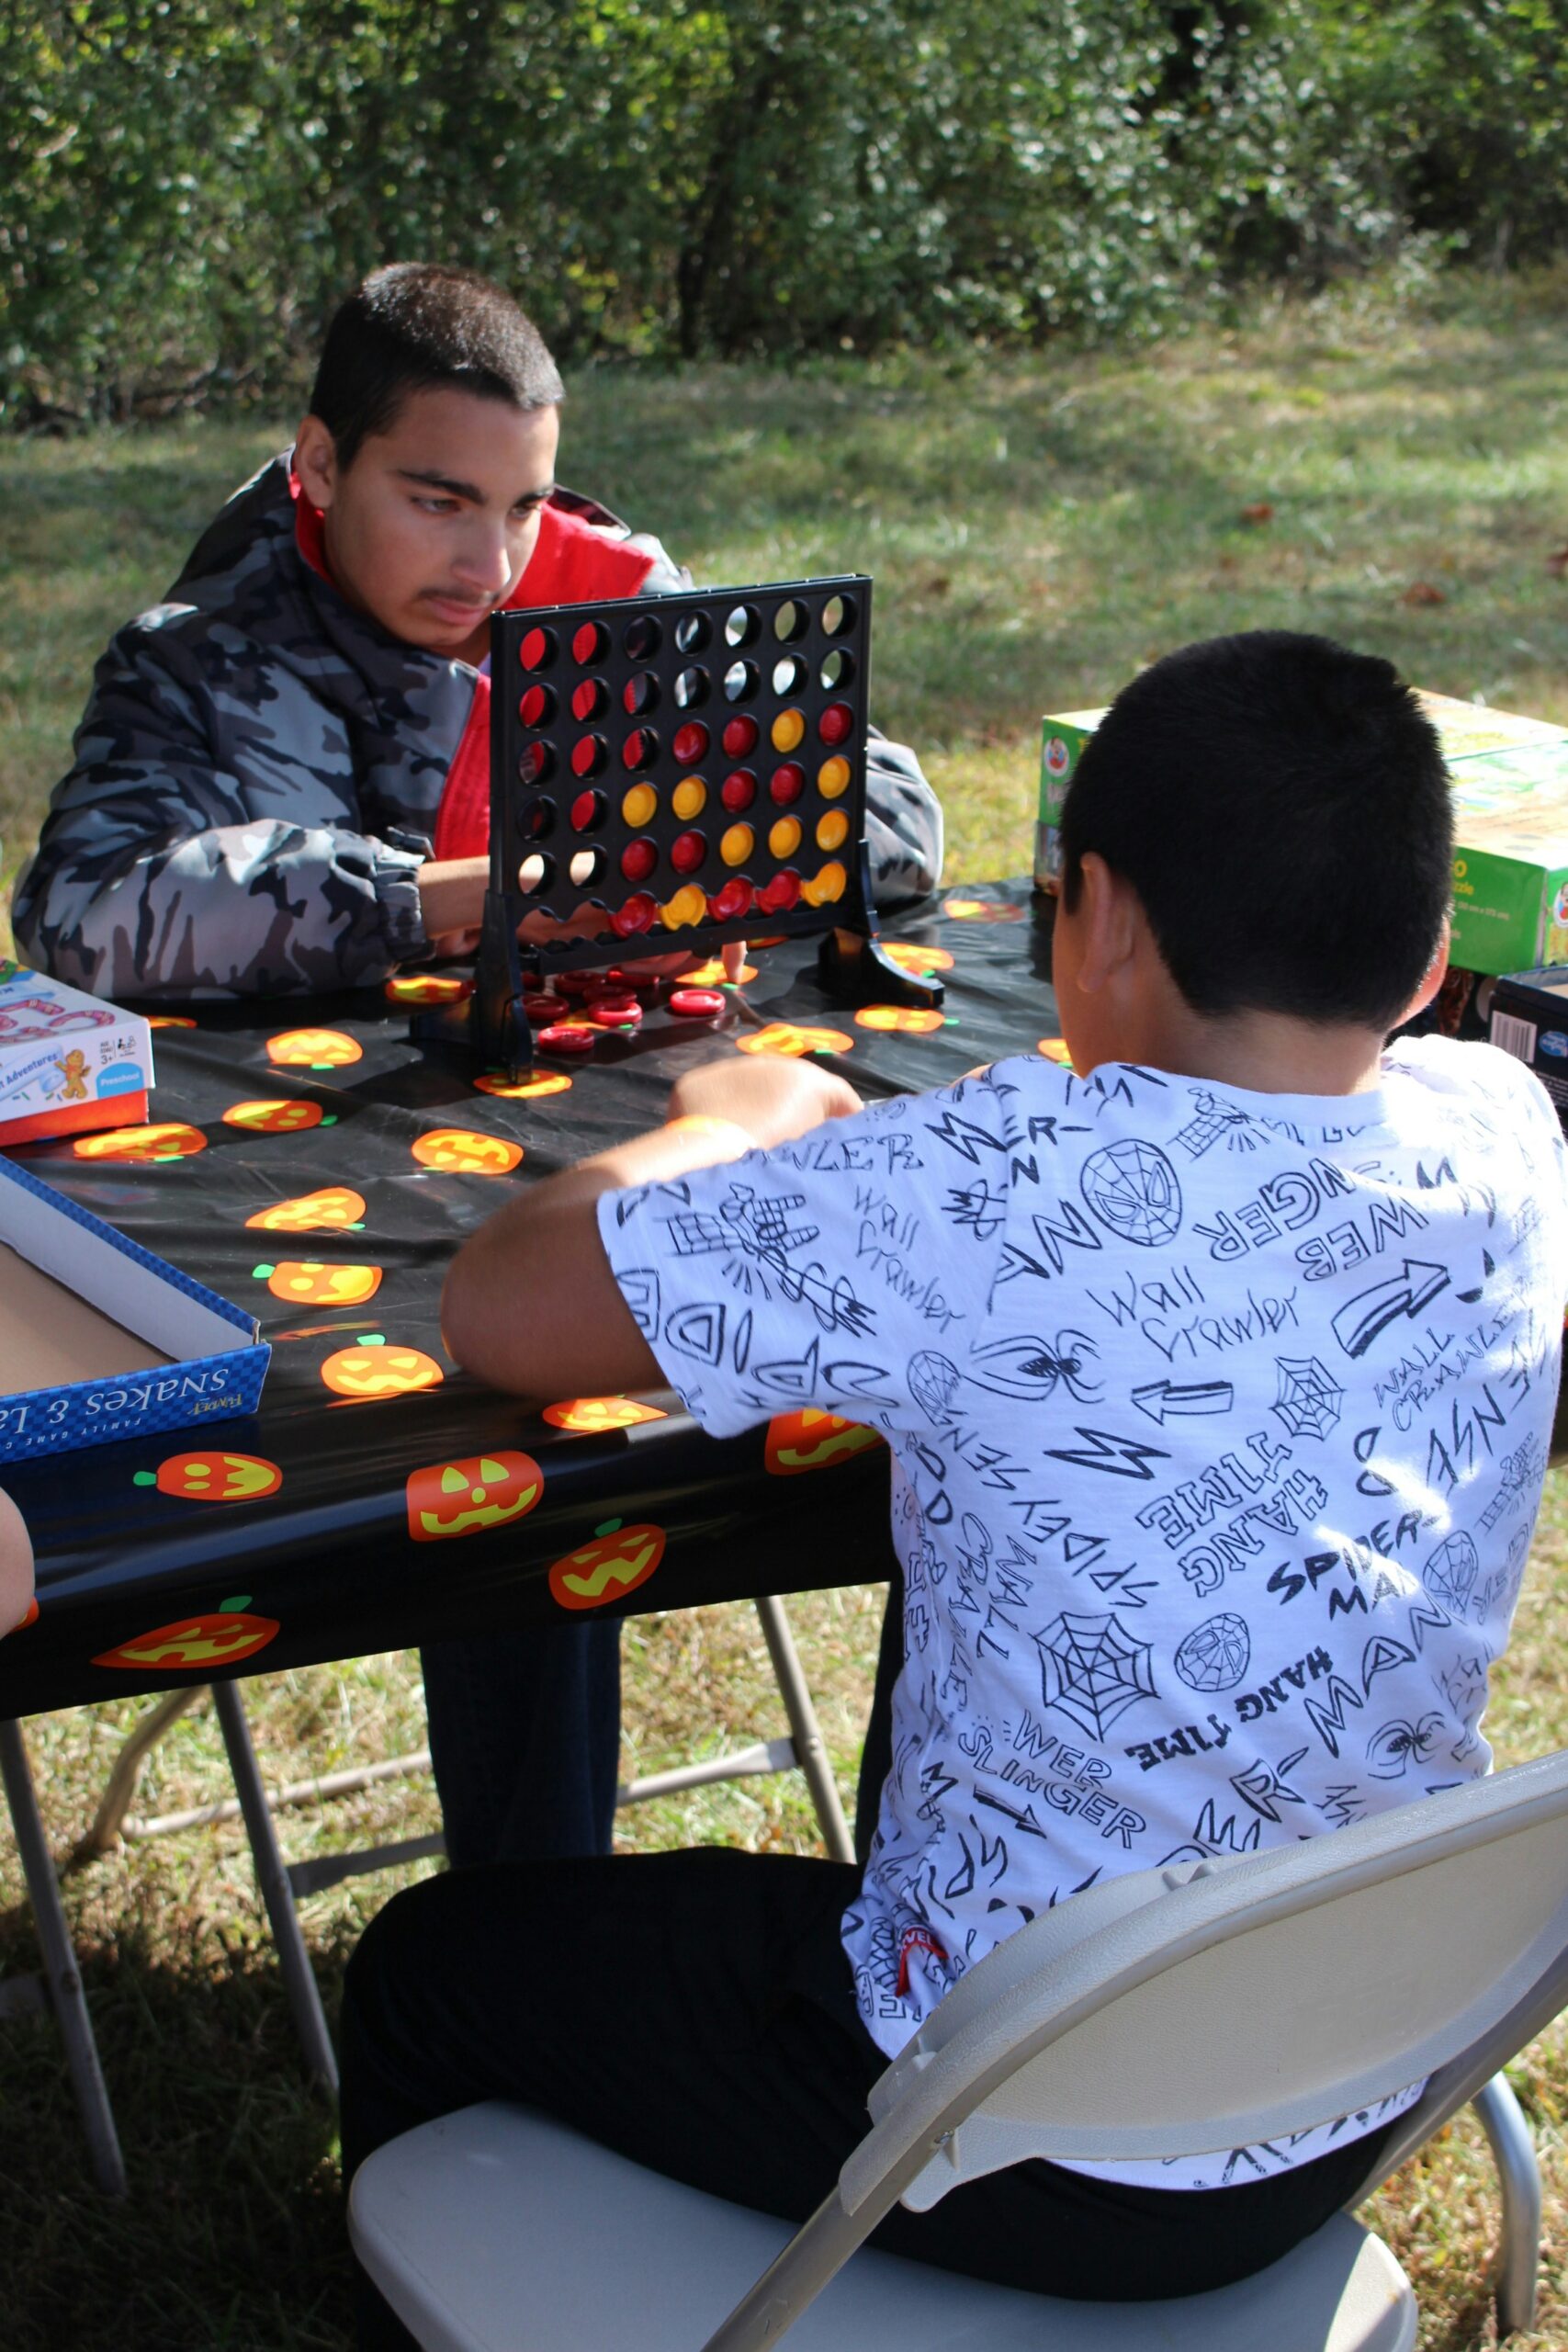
415, 324
1281, 808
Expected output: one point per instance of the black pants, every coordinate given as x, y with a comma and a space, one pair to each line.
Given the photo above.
526, 1739
694, 2010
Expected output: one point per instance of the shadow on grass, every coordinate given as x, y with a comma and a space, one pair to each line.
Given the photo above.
232, 2236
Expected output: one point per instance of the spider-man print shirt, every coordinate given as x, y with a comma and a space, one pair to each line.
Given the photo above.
1218, 1423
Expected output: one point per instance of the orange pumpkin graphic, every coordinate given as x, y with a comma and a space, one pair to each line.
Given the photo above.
916, 1021
228, 1634
32, 1617
308, 1280
427, 987
524, 1090
812, 1440
911, 959
172, 1140
447, 1499
601, 1413
168, 1021
380, 1370
214, 1477
981, 911
789, 1037
711, 974
277, 1116
313, 1048
618, 1559
466, 1149
328, 1211
1055, 1050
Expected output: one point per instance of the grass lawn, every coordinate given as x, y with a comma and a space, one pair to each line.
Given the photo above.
1036, 530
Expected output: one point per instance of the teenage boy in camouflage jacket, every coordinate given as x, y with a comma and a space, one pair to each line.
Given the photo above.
280, 786
280, 782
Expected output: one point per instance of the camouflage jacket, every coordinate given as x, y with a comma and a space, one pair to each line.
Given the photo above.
257, 776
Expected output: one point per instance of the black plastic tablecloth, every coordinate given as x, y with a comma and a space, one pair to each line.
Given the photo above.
362, 1520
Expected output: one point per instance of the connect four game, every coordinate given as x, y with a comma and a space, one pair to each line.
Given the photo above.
676, 772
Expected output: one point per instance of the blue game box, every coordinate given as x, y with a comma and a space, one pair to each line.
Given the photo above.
101, 1341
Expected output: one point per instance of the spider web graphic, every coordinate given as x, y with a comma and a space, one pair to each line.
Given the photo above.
1308, 1401
1092, 1671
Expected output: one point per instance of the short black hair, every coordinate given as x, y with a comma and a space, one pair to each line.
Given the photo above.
415, 324
1281, 808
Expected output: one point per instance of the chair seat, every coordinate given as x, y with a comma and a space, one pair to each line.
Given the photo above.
497, 2230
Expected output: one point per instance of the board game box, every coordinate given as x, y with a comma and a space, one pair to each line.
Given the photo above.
68, 1063
676, 773
1510, 778
102, 1340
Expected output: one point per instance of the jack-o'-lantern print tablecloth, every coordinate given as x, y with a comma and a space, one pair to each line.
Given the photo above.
311, 1161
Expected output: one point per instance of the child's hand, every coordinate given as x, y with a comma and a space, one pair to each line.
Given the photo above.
15, 1566
774, 1098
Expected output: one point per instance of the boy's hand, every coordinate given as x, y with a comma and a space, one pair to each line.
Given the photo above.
773, 1097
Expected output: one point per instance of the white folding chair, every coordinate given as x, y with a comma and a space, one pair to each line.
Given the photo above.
1209, 2006
283, 1883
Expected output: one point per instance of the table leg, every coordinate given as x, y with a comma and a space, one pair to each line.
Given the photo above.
810, 1750
59, 1964
299, 1979
104, 1835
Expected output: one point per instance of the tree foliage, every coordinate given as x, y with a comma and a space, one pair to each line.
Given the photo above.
190, 184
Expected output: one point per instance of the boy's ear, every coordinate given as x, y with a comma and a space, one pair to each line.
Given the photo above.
315, 461
1432, 979
1109, 911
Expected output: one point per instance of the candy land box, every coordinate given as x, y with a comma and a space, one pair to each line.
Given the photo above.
1510, 778
68, 1063
99, 1339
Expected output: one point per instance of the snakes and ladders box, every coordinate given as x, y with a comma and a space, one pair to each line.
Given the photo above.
99, 1339
1510, 779
68, 1063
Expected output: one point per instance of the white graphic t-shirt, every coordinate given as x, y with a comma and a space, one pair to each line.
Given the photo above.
1218, 1424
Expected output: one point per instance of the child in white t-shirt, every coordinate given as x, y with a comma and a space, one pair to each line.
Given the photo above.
1215, 1460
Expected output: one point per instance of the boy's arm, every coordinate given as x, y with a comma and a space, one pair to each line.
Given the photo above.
15, 1566
530, 1303
161, 872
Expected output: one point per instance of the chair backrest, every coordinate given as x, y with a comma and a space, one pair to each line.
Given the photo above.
1176, 2012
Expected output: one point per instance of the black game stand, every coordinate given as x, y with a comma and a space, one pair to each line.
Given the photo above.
688, 770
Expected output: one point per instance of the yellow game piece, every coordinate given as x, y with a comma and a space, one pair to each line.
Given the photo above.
825, 887
688, 906
788, 729
737, 845
832, 830
833, 777
785, 838
639, 805
690, 797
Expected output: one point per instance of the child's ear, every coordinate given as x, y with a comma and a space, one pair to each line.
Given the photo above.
1432, 979
315, 461
1109, 909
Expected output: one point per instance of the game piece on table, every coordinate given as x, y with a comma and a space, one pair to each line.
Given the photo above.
665, 771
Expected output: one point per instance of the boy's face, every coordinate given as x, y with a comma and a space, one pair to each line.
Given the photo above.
432, 526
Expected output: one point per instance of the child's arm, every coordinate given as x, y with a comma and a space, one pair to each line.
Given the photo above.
162, 871
530, 1302
15, 1566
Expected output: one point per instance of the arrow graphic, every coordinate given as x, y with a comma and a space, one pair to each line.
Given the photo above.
1160, 1398
1360, 1319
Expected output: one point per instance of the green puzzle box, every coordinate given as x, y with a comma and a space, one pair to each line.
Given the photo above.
1510, 778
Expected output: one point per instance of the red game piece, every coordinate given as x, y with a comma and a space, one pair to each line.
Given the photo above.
691, 743
836, 723
615, 1011
638, 860
686, 853
640, 912
563, 1038
696, 1004
740, 735
780, 893
786, 784
732, 900
738, 790
576, 983
539, 1007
